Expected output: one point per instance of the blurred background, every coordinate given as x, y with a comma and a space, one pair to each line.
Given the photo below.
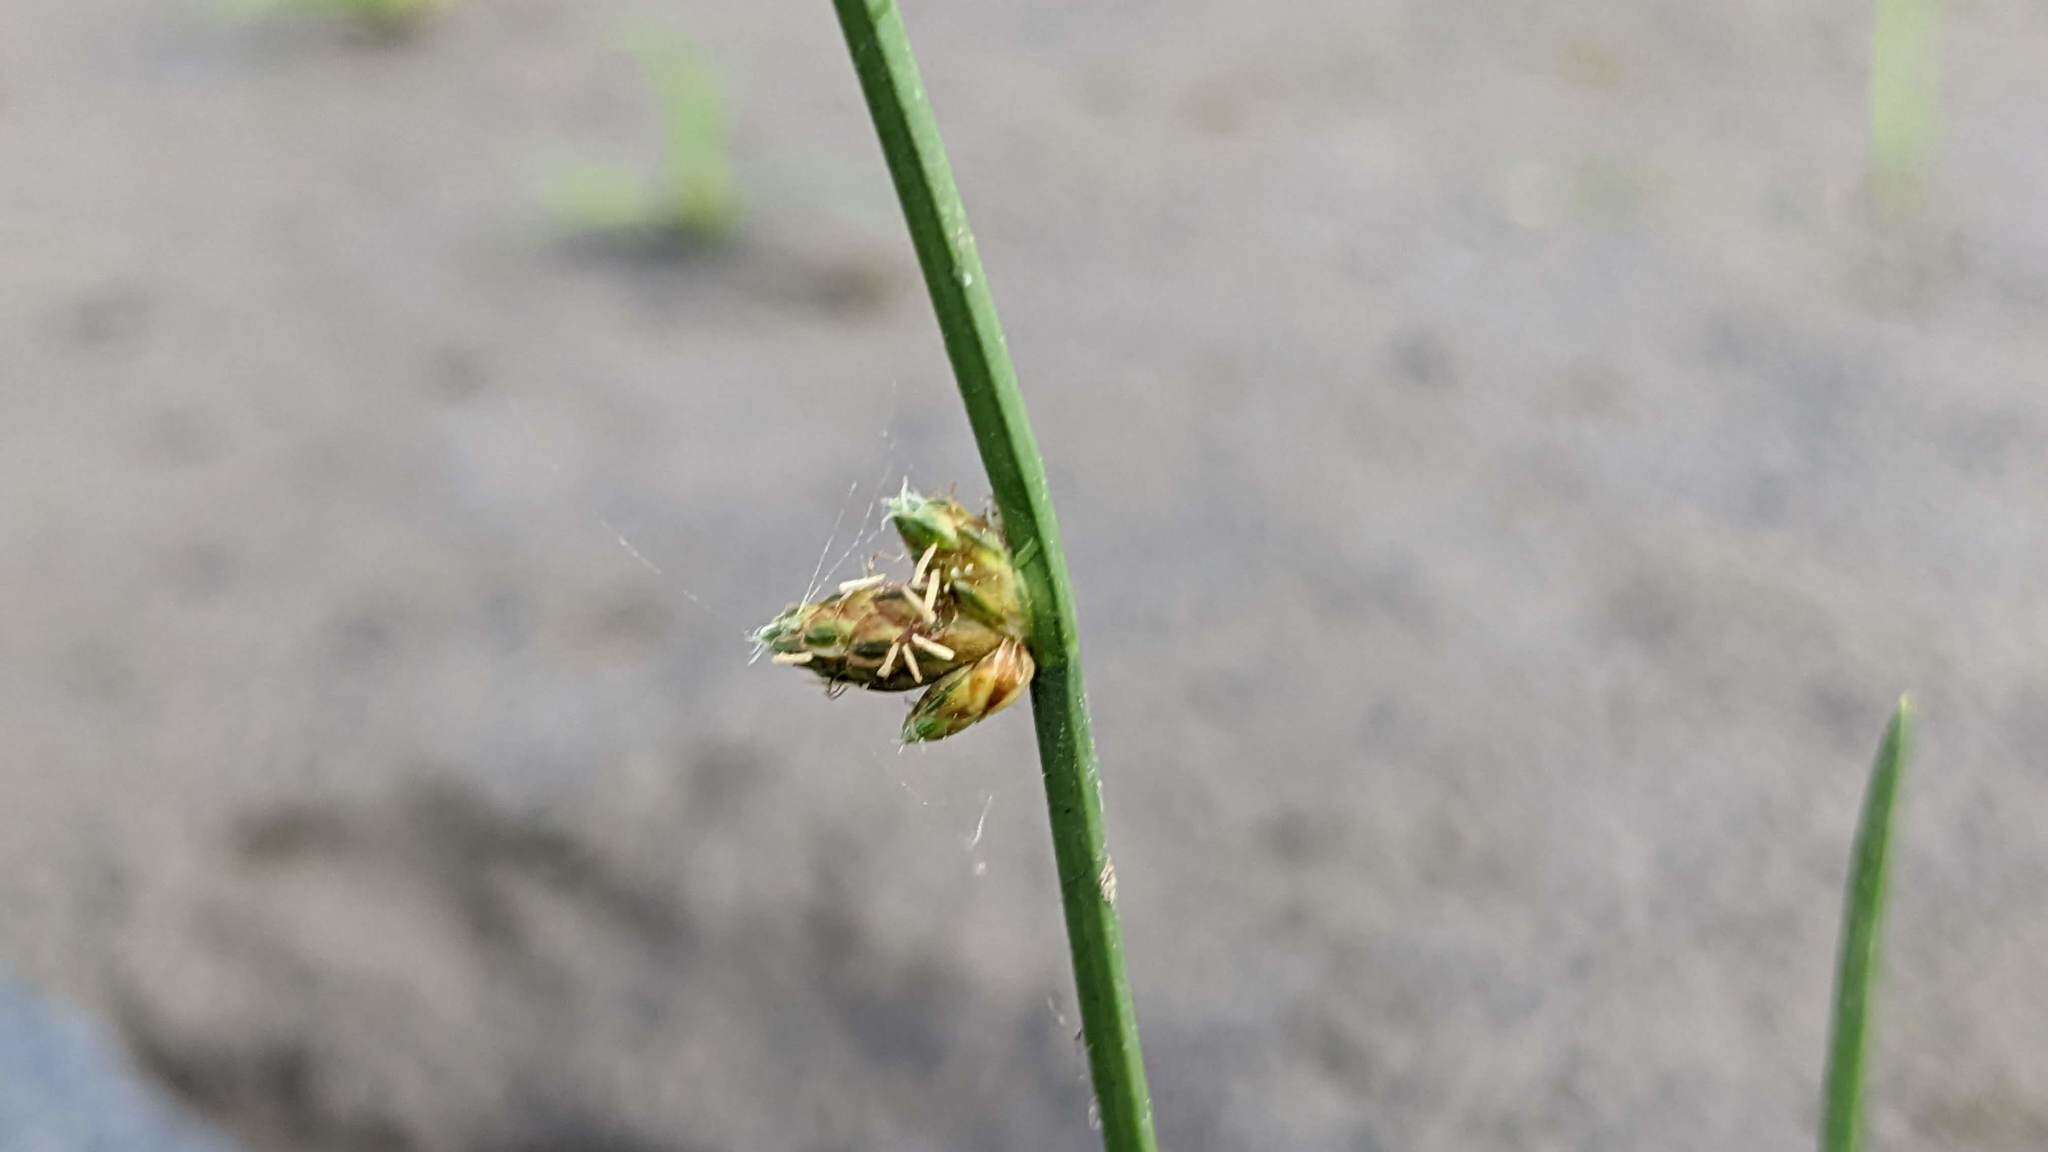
1511, 457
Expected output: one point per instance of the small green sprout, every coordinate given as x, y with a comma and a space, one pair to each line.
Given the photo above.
1862, 924
955, 628
1905, 65
387, 19
692, 194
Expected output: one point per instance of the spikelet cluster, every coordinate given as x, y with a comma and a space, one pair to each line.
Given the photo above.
955, 628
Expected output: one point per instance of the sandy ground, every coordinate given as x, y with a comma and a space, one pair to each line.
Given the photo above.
1508, 465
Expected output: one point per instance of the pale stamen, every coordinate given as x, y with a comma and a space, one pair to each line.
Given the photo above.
863, 582
924, 610
889, 661
932, 646
910, 662
792, 657
924, 562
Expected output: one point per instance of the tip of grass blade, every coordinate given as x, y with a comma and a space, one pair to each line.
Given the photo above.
1904, 71
1862, 919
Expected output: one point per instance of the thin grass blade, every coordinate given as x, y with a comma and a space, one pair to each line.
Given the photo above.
1862, 921
1904, 71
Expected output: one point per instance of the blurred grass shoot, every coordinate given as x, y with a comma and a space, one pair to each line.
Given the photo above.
1862, 921
1904, 68
691, 194
387, 19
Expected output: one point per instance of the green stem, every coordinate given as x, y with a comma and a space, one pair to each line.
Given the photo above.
988, 387
1862, 917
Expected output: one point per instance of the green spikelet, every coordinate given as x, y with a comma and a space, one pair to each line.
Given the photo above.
968, 551
966, 696
848, 638
957, 625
